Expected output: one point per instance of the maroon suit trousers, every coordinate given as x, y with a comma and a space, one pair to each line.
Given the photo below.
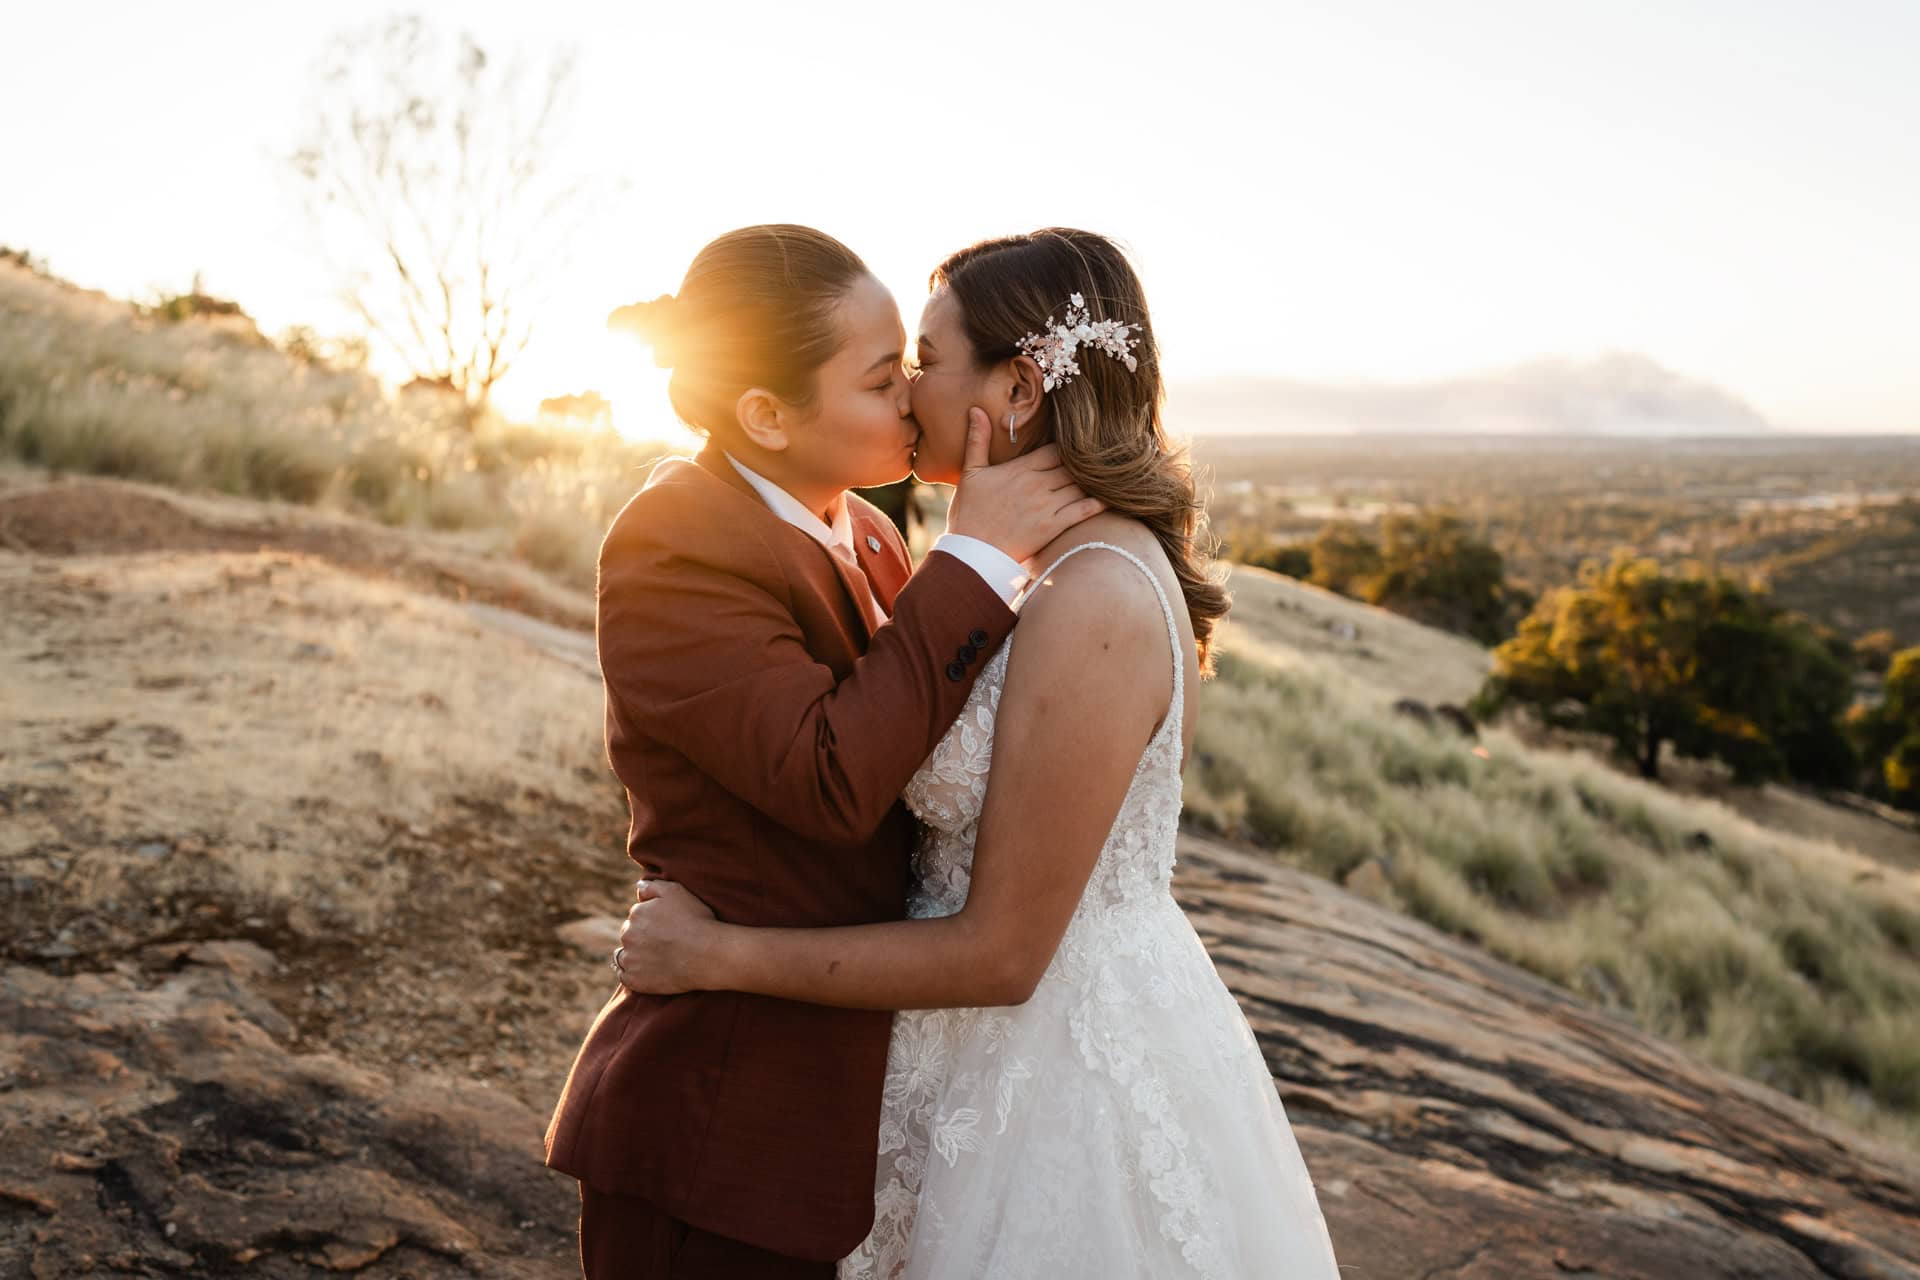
622, 1238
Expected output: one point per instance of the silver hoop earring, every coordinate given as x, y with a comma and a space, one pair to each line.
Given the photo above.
1012, 438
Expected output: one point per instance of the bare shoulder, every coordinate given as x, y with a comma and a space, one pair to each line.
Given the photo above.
1108, 527
1106, 568
1096, 592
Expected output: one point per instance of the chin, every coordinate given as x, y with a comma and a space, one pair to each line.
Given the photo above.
941, 471
885, 475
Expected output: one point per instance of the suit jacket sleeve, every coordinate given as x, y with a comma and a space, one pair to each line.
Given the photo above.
701, 652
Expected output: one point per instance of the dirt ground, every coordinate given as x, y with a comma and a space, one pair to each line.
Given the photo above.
311, 867
199, 710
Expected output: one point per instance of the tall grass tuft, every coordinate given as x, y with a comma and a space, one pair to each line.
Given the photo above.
1787, 960
92, 386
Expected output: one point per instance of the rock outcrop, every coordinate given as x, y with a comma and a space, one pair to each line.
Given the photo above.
1463, 1119
360, 1088
164, 1130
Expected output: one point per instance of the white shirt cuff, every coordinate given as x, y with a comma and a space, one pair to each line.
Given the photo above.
998, 569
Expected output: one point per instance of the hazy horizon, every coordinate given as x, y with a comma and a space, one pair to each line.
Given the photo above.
1617, 395
1337, 204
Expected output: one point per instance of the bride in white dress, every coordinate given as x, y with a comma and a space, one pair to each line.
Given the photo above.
1072, 1091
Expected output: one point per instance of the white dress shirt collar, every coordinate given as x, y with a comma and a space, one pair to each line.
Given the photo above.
789, 508
999, 570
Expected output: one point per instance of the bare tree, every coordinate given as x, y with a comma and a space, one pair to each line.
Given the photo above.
429, 171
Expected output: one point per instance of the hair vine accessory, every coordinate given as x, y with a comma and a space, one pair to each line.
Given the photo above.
1054, 350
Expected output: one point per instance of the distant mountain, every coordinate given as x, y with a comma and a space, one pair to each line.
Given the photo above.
1619, 394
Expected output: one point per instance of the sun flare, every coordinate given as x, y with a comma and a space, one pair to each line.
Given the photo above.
637, 391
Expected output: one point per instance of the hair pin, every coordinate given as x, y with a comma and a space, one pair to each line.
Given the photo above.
1054, 350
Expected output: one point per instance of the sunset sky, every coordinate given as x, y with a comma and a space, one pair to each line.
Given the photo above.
1362, 191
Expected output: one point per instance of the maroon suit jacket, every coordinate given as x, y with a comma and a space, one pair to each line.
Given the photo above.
764, 734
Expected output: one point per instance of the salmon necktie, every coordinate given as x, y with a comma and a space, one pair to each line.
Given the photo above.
864, 597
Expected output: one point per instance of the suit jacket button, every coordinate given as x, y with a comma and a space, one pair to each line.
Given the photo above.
968, 653
977, 638
956, 672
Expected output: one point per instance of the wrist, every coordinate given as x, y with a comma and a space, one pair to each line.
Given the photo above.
711, 959
994, 566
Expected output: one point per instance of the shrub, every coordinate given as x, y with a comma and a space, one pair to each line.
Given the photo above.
1698, 664
179, 394
1770, 955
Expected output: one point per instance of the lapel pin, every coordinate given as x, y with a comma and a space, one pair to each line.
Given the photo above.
873, 544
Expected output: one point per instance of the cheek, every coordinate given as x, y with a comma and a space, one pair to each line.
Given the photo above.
880, 423
926, 406
941, 410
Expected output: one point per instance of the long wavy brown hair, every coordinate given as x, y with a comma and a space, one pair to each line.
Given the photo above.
1106, 420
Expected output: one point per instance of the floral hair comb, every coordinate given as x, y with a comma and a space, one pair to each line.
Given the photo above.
1054, 350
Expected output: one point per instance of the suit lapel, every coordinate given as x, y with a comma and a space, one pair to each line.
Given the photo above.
885, 569
855, 587
810, 552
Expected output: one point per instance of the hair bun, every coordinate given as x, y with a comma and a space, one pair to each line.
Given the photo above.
655, 323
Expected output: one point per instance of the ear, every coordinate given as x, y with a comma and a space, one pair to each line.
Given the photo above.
762, 418
1025, 391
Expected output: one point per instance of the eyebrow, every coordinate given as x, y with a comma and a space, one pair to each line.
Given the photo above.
890, 358
923, 343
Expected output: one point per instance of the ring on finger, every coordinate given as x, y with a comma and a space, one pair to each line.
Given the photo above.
618, 952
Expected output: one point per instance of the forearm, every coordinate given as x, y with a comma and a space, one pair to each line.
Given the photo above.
714, 667
949, 962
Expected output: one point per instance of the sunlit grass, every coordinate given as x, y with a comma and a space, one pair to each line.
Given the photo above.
1790, 961
88, 385
295, 718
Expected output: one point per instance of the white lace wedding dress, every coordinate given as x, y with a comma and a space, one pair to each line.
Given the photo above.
1121, 1123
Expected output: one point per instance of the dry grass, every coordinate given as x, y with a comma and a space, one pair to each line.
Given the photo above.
259, 727
1382, 648
264, 731
400, 800
1793, 961
89, 386
1405, 659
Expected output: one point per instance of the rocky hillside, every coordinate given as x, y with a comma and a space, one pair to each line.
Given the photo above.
1405, 659
311, 860
1465, 1120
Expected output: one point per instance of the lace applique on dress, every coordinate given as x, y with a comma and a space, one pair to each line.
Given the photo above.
1121, 1122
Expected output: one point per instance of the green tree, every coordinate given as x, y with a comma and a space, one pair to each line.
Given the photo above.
1291, 558
1434, 570
1888, 735
1700, 664
1345, 559
1774, 689
1875, 650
